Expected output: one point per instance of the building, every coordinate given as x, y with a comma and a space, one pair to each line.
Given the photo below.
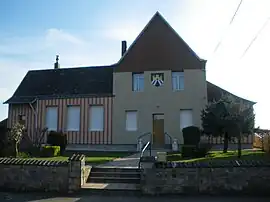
158, 87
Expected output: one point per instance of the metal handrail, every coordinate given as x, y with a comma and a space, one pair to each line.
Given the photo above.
170, 137
143, 150
145, 147
144, 134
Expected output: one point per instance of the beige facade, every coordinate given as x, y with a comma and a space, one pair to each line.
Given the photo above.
153, 100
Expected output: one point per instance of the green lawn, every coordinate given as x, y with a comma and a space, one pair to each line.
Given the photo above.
91, 157
219, 155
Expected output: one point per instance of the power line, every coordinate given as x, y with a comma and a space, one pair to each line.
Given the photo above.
233, 17
236, 11
256, 36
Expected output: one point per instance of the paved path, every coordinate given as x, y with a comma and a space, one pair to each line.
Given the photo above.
32, 197
131, 161
126, 162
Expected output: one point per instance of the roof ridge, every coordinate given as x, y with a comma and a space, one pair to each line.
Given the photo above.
72, 68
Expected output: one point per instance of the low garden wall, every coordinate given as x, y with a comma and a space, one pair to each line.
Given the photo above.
231, 177
42, 175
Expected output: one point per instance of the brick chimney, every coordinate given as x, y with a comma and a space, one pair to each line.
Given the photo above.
124, 47
56, 64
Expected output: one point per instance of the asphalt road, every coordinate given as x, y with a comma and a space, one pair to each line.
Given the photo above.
30, 197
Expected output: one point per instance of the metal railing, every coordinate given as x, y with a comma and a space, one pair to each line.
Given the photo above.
145, 134
169, 137
148, 144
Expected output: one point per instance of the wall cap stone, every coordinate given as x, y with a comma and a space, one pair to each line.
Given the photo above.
214, 164
33, 162
76, 157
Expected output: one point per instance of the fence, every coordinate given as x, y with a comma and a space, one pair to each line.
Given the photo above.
262, 141
246, 139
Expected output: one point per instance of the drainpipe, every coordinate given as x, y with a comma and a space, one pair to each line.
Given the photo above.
35, 113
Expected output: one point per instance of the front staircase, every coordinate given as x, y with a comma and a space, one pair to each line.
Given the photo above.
113, 180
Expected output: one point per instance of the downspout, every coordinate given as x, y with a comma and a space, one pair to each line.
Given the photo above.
35, 113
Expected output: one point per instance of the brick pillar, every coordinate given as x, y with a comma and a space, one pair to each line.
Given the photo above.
75, 167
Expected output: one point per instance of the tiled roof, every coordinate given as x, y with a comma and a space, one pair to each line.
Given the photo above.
64, 82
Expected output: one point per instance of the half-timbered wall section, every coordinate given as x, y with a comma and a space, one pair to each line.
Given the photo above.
15, 110
83, 135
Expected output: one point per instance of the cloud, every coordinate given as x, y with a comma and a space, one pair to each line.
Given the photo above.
56, 36
21, 54
14, 46
123, 30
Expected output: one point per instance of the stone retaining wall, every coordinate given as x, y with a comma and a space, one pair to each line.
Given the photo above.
42, 175
230, 177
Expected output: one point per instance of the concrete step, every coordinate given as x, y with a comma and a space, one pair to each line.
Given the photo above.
126, 180
114, 169
116, 174
111, 189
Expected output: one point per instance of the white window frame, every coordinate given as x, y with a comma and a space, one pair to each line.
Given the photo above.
183, 113
73, 118
131, 120
51, 120
94, 124
178, 81
137, 82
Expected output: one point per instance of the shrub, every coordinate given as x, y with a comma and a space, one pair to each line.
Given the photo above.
7, 151
57, 139
34, 150
188, 151
192, 135
50, 151
202, 150
23, 155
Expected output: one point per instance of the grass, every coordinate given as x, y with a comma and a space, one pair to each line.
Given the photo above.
219, 155
90, 157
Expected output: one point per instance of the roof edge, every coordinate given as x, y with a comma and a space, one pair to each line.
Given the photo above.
252, 102
167, 23
48, 97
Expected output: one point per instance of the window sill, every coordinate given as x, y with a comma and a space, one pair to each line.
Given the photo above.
49, 130
178, 90
96, 131
71, 130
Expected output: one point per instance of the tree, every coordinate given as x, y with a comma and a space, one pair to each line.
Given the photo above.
229, 119
15, 136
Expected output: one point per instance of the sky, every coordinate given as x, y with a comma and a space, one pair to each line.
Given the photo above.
89, 32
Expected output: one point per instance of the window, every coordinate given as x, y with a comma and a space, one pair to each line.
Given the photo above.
51, 118
178, 81
96, 118
186, 118
131, 120
22, 119
73, 118
138, 82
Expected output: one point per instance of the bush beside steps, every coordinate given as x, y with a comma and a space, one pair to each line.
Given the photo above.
193, 147
57, 138
50, 151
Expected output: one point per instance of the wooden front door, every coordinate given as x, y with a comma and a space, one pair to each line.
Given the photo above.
158, 130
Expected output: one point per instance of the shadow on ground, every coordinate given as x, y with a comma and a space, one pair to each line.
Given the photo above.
46, 197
